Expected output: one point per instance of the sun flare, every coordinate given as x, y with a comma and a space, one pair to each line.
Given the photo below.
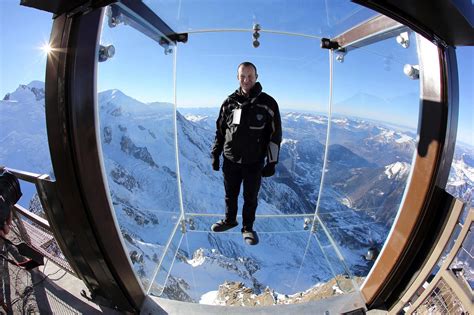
46, 48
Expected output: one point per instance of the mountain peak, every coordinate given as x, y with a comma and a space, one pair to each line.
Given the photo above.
34, 91
36, 84
111, 94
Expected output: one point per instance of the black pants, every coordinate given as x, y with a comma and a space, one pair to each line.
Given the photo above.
234, 175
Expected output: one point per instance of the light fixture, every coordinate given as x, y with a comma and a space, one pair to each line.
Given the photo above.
403, 39
412, 71
106, 52
371, 254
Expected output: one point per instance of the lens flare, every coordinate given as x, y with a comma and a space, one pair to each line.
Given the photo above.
46, 48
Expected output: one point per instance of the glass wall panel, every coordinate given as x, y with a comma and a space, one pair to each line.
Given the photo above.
372, 143
461, 178
294, 71
137, 129
319, 17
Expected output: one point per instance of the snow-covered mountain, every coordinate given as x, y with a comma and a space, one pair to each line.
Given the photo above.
23, 139
367, 168
461, 176
23, 129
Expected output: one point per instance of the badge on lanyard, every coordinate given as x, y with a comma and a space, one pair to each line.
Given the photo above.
236, 116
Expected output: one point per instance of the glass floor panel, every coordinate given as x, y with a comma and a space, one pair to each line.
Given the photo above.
289, 262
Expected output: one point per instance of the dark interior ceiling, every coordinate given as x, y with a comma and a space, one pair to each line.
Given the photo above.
448, 21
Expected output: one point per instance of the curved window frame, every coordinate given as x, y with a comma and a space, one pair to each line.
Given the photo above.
83, 219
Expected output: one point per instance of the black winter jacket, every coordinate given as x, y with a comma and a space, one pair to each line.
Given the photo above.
256, 135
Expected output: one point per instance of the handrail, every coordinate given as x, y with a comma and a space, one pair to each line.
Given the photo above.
33, 217
446, 274
39, 233
456, 212
27, 176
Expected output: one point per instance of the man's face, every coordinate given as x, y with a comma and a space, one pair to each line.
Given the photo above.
247, 78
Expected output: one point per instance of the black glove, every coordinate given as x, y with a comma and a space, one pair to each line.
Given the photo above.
268, 170
215, 163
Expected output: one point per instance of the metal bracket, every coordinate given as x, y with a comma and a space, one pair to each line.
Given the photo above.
187, 223
340, 55
166, 46
307, 223
114, 16
327, 43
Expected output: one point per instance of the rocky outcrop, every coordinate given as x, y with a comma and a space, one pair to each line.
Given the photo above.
122, 177
140, 153
107, 134
237, 294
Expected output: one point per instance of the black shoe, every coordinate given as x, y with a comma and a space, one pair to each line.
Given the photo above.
250, 237
222, 225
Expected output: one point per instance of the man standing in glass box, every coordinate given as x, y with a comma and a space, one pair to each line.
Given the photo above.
249, 136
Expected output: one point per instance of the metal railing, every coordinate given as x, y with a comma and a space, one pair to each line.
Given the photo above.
443, 290
35, 229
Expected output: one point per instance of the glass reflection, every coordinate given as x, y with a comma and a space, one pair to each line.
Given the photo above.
369, 158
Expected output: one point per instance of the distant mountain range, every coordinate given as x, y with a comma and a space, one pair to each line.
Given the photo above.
367, 169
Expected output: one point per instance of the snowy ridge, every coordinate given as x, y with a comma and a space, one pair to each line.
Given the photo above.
34, 91
461, 177
397, 169
195, 118
23, 133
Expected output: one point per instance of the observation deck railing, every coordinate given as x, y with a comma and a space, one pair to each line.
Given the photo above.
35, 229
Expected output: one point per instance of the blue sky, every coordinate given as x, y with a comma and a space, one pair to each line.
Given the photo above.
369, 83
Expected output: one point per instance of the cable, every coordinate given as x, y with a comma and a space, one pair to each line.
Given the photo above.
27, 289
59, 278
